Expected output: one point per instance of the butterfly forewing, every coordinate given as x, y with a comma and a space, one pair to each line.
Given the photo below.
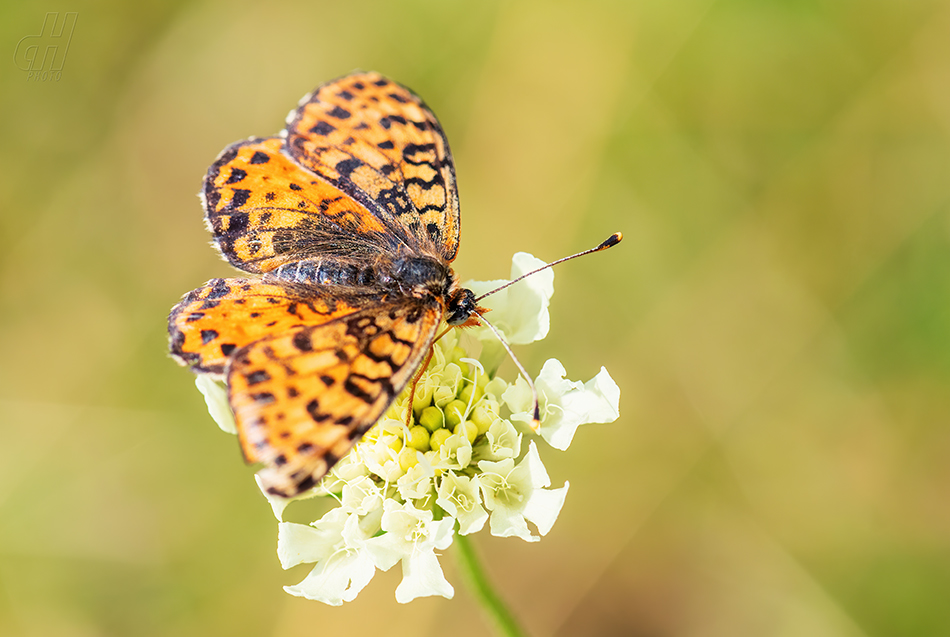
265, 210
303, 398
379, 143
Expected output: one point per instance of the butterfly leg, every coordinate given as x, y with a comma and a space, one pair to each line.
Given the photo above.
417, 378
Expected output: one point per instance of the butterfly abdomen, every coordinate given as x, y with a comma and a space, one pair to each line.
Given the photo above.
328, 272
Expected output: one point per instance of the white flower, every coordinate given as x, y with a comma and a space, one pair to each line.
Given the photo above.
502, 441
412, 537
515, 496
336, 543
520, 312
416, 483
459, 497
361, 496
452, 454
565, 404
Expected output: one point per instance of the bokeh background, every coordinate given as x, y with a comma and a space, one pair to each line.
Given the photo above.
778, 316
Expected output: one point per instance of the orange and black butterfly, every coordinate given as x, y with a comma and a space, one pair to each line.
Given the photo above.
351, 216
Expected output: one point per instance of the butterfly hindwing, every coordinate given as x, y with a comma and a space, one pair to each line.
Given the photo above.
378, 142
265, 210
213, 321
303, 398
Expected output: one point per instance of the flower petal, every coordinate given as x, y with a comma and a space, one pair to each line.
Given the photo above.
300, 543
544, 507
216, 398
336, 580
506, 522
277, 503
422, 576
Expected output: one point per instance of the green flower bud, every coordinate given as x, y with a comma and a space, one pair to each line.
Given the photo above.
468, 389
418, 439
432, 418
438, 437
408, 458
454, 412
484, 414
467, 429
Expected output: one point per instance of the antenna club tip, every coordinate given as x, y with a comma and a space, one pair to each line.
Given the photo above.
611, 241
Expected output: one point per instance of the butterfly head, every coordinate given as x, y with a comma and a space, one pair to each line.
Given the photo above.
461, 307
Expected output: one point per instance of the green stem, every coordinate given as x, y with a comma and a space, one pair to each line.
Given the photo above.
483, 590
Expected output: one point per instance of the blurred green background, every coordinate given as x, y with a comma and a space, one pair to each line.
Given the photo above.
778, 317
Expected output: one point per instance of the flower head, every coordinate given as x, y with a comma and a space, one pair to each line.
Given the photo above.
447, 463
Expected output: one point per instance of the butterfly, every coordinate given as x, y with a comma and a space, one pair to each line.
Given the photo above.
349, 218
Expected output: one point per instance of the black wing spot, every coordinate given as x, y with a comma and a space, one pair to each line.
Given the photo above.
258, 376
356, 391
313, 408
339, 113
207, 336
240, 197
328, 380
259, 158
227, 348
236, 175
347, 166
295, 187
237, 222
264, 397
305, 484
302, 341
219, 289
386, 145
322, 128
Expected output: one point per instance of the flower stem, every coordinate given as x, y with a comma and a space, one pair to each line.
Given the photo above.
479, 585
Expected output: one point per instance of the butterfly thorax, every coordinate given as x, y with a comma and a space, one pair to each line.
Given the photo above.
416, 276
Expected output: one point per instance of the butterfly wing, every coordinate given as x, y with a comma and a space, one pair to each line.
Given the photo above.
379, 143
303, 398
213, 321
265, 210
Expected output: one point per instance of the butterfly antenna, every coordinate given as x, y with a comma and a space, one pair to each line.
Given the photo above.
536, 412
609, 242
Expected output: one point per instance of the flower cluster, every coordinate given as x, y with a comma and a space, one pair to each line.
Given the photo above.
404, 491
